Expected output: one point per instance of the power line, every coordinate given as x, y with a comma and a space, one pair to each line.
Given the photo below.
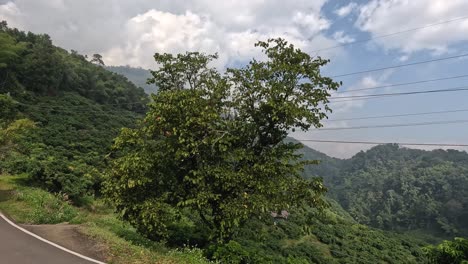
394, 125
391, 34
400, 65
382, 143
453, 89
397, 115
332, 100
403, 84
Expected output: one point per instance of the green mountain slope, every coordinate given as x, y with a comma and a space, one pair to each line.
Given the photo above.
400, 189
328, 167
78, 108
308, 236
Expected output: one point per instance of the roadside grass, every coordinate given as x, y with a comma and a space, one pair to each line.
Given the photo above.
122, 244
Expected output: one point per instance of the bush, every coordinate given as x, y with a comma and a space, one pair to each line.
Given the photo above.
60, 175
46, 208
232, 252
448, 252
189, 255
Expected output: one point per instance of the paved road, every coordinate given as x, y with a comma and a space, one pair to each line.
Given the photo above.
17, 247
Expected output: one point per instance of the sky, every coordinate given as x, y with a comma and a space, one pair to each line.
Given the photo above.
129, 32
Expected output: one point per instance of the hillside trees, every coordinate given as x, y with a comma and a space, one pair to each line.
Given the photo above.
97, 59
9, 49
12, 131
396, 188
448, 252
77, 108
212, 146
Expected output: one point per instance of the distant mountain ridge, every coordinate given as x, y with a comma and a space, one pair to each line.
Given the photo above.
137, 76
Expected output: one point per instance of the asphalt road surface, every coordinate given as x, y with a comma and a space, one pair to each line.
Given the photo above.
17, 247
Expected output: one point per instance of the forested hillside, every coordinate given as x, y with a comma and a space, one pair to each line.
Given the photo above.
77, 108
402, 189
309, 236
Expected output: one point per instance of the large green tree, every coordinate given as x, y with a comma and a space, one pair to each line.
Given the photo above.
212, 145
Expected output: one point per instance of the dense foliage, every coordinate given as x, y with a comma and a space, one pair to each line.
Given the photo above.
12, 131
310, 236
402, 189
218, 142
448, 252
77, 107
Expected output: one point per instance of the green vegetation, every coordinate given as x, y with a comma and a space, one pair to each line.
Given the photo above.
220, 151
305, 237
33, 205
208, 173
77, 107
9, 48
404, 189
449, 252
310, 236
123, 244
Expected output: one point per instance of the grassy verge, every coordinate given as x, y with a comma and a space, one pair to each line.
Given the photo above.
30, 205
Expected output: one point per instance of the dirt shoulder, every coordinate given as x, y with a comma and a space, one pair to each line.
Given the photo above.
71, 237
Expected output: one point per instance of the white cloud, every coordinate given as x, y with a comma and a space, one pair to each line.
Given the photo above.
342, 38
346, 10
163, 32
131, 31
10, 12
381, 17
403, 58
347, 104
312, 22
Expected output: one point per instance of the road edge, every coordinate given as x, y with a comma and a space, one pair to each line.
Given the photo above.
49, 242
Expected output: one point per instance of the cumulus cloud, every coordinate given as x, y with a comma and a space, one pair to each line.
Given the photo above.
9, 11
380, 17
342, 38
312, 22
130, 32
346, 10
163, 32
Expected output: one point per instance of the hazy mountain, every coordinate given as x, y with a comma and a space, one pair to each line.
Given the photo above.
138, 76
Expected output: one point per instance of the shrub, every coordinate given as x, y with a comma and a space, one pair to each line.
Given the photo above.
46, 208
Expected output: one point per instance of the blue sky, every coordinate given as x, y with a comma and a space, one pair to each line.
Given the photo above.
128, 32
